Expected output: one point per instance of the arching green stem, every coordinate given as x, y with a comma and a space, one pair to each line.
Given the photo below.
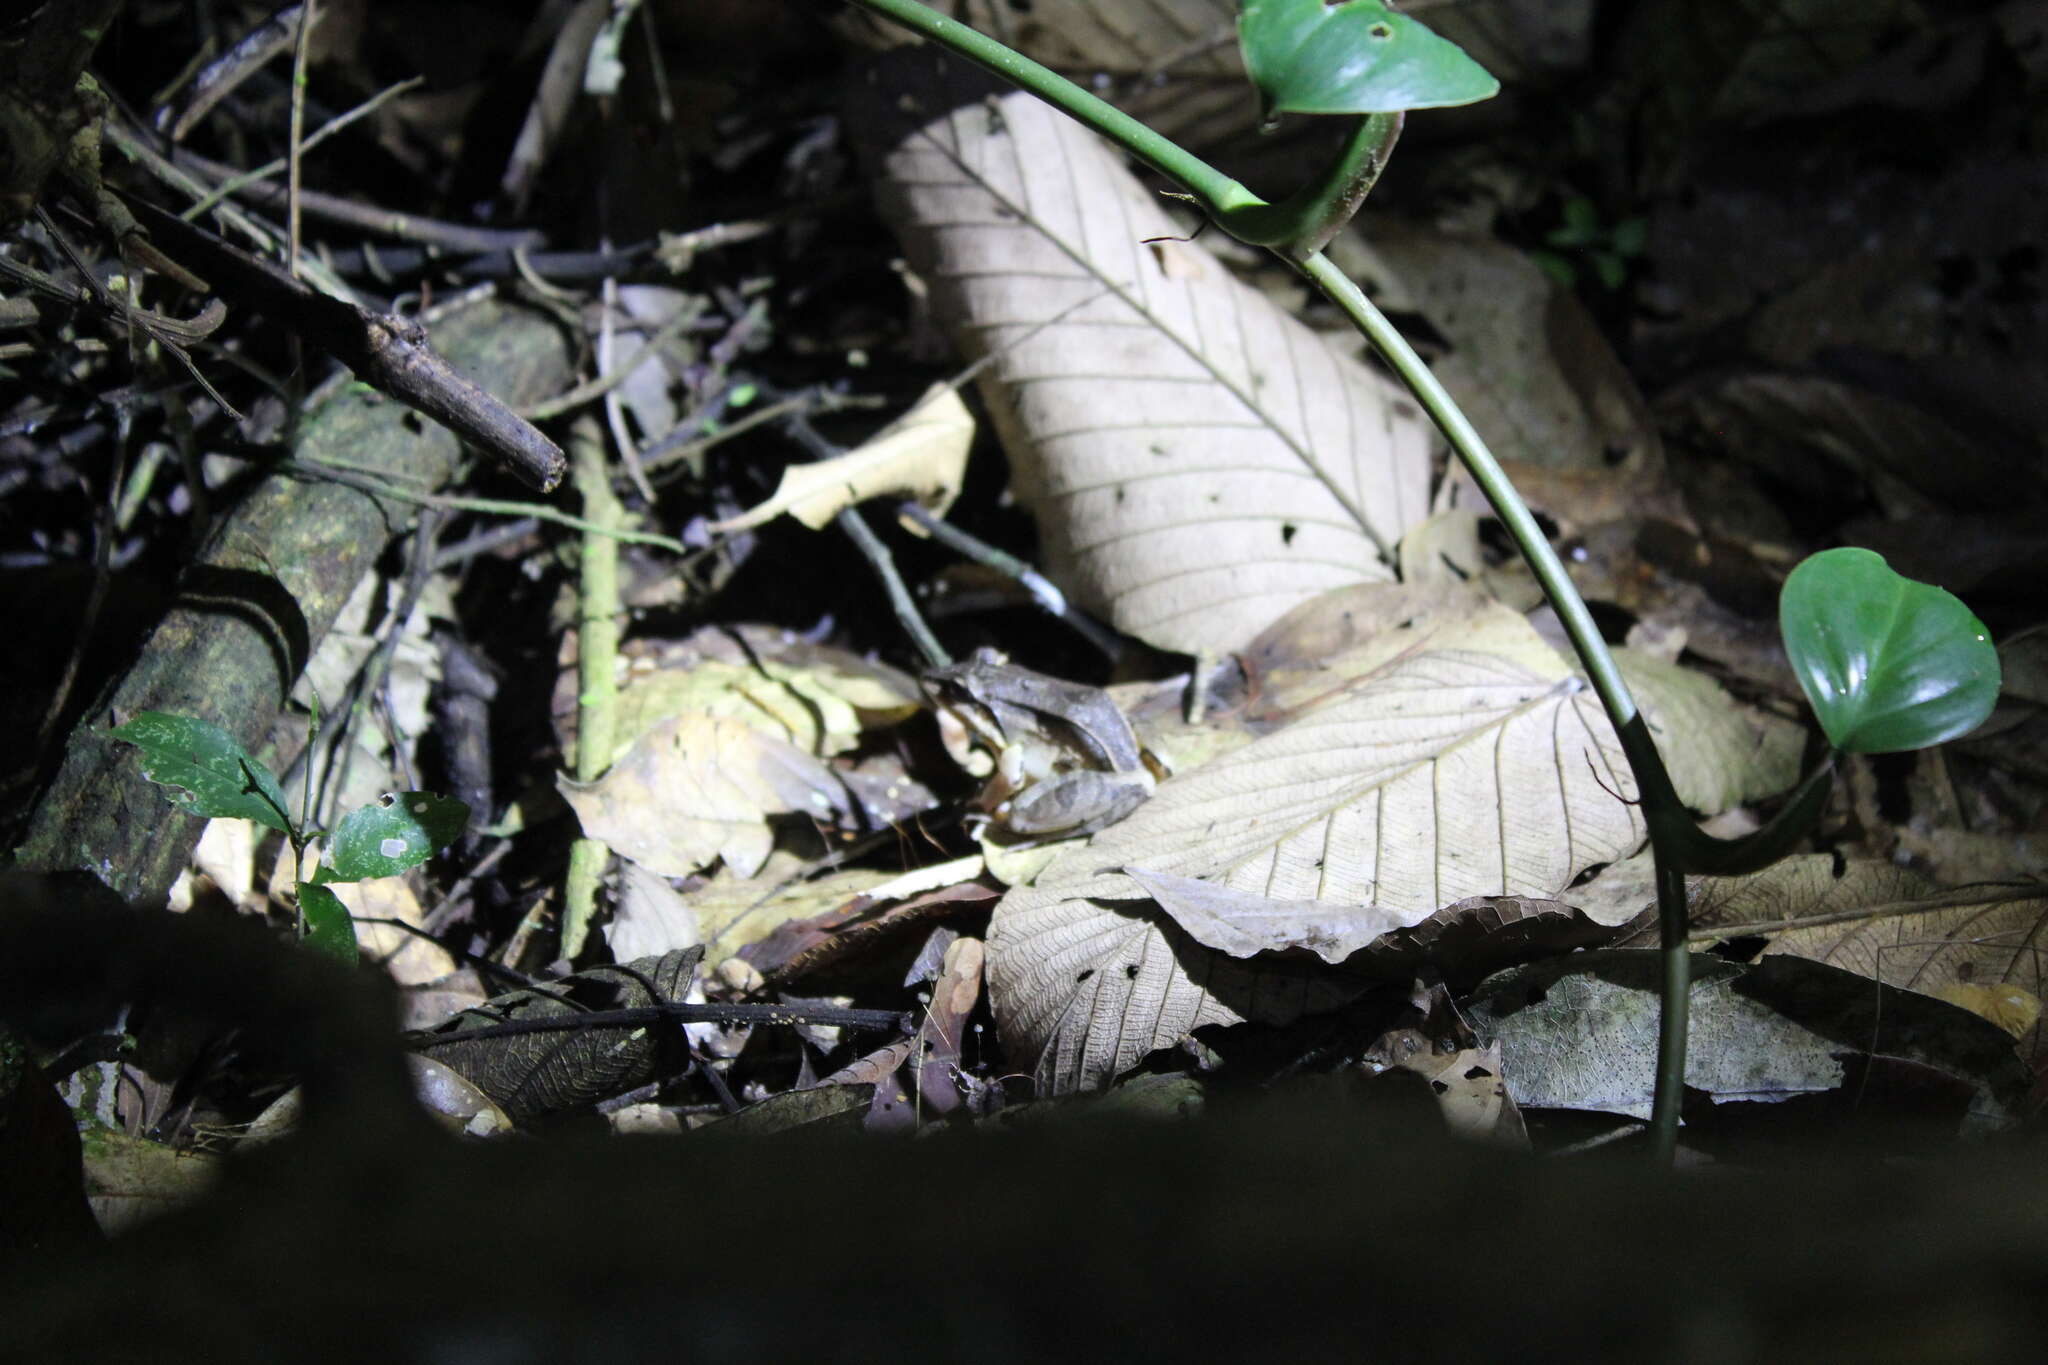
1677, 844
1304, 222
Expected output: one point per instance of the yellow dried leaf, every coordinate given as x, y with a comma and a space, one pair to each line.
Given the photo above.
922, 456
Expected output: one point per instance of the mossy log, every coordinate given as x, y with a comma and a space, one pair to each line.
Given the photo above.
260, 597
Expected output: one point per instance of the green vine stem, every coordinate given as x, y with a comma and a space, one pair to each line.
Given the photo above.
1677, 844
597, 642
1304, 222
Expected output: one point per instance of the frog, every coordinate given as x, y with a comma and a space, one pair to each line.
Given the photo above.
1067, 762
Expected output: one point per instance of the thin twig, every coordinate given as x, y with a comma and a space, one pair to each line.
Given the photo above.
321, 134
225, 73
357, 476
607, 380
292, 147
614, 411
1041, 588
871, 547
368, 217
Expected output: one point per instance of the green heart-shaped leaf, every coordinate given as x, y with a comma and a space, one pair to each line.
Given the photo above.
1888, 663
1352, 57
402, 830
215, 776
328, 927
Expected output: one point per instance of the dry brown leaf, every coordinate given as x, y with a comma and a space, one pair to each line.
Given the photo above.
411, 958
924, 456
955, 993
1197, 461
1974, 946
1903, 931
698, 788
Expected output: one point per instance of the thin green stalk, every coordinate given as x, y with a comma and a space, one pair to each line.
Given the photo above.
597, 642
1653, 783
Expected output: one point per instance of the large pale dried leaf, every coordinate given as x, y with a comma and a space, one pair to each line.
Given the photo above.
698, 788
1472, 764
923, 457
1448, 774
1197, 461
1719, 754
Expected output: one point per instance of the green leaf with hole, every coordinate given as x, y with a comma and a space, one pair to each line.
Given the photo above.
1888, 663
1352, 57
328, 927
402, 830
214, 776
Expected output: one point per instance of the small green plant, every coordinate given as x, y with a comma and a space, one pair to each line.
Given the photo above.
211, 775
1582, 239
1886, 662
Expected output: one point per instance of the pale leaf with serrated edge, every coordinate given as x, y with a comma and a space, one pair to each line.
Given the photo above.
1196, 460
924, 457
1472, 765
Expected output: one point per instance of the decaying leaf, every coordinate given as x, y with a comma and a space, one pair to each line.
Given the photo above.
721, 731
923, 456
131, 1180
955, 992
1580, 1032
1474, 937
533, 1075
1197, 461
